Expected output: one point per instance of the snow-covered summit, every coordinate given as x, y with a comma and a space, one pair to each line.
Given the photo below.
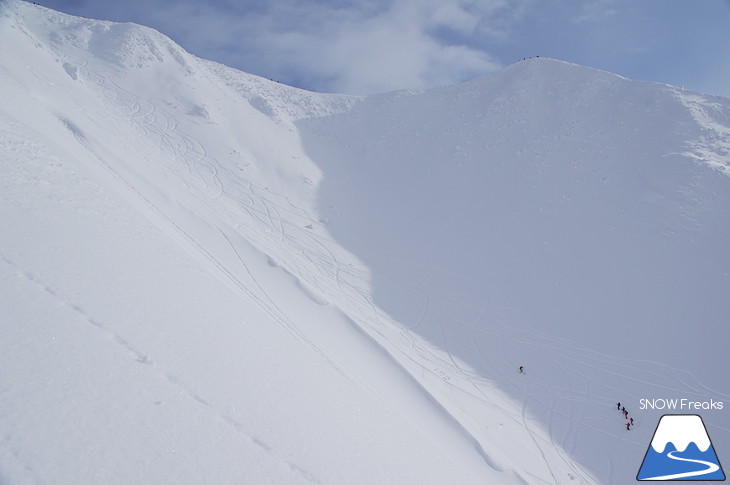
681, 430
207, 276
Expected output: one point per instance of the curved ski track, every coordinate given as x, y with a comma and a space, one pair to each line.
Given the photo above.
295, 242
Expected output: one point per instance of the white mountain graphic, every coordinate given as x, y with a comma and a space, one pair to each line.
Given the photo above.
680, 430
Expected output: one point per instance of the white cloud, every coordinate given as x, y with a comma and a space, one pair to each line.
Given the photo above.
596, 11
454, 16
390, 50
354, 46
408, 44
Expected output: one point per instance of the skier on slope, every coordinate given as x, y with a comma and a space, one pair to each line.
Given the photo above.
522, 369
618, 406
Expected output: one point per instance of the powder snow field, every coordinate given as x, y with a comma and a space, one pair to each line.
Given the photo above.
208, 277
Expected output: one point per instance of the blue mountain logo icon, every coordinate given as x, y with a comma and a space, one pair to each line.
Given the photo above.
681, 450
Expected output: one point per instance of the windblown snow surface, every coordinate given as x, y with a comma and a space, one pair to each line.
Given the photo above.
209, 277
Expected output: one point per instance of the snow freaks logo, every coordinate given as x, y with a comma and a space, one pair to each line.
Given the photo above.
680, 404
681, 450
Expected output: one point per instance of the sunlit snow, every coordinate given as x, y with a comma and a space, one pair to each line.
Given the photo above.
209, 277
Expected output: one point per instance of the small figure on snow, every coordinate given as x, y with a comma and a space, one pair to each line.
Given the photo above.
618, 406
631, 421
626, 414
522, 369
628, 426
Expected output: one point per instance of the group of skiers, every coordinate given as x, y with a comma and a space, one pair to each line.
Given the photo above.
629, 421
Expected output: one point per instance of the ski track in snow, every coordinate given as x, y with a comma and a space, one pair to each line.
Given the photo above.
265, 218
188, 157
245, 217
585, 369
144, 359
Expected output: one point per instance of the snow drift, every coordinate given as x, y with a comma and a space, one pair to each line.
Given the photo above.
208, 276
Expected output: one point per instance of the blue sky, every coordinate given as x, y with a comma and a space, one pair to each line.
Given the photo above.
369, 46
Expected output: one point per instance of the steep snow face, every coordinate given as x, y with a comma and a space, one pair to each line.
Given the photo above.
174, 309
554, 190
551, 216
211, 277
712, 144
120, 63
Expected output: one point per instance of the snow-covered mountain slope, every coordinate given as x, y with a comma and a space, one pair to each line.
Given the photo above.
579, 189
210, 277
551, 216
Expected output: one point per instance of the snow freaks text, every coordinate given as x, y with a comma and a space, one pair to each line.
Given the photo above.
679, 404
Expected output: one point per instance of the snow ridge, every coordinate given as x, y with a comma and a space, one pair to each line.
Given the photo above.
711, 113
267, 285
